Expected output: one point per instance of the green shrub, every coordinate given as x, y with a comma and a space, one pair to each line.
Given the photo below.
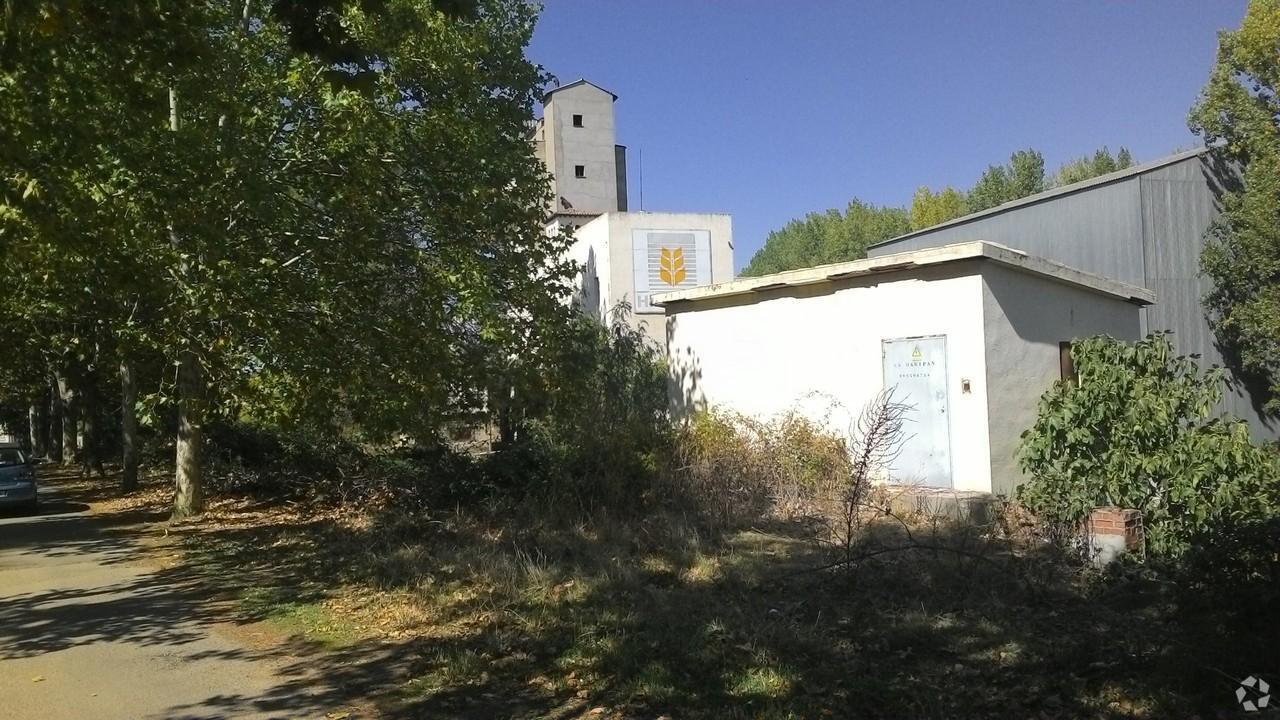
533, 465
595, 425
1135, 430
420, 476
252, 459
591, 429
259, 459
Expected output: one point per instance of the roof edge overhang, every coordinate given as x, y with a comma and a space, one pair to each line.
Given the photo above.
899, 262
576, 83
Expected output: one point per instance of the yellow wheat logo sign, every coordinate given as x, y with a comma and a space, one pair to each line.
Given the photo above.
671, 266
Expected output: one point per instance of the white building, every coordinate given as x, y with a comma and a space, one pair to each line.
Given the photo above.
628, 256
970, 335
625, 256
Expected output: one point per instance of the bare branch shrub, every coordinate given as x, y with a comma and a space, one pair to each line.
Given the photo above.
734, 470
738, 468
876, 439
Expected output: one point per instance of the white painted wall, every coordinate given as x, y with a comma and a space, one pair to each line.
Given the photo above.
609, 239
1025, 317
774, 350
590, 250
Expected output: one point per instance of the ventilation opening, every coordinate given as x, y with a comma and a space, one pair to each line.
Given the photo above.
577, 121
580, 171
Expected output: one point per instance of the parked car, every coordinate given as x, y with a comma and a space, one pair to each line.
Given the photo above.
17, 478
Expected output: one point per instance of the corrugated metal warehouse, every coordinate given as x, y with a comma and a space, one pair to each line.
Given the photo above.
1144, 226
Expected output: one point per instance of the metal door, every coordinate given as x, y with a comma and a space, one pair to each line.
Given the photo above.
917, 370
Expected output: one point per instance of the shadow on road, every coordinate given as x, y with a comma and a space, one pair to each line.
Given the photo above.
98, 582
48, 506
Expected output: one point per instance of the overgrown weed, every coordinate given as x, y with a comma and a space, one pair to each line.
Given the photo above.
702, 600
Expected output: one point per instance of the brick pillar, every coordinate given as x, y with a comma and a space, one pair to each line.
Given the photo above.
1113, 531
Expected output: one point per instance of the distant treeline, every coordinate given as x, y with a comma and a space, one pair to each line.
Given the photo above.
833, 236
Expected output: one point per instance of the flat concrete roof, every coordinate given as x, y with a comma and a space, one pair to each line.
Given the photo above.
596, 214
653, 213
898, 262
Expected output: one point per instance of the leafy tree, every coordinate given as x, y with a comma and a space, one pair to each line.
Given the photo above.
1238, 115
1135, 430
1101, 163
50, 211
929, 208
338, 197
992, 189
1023, 176
827, 237
1027, 173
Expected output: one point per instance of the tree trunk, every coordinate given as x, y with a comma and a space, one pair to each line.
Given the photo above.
42, 432
35, 428
30, 440
91, 442
128, 428
188, 497
70, 419
56, 411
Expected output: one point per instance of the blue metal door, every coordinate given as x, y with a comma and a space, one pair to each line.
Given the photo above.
916, 369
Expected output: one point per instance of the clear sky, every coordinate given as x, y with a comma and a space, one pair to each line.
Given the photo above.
769, 109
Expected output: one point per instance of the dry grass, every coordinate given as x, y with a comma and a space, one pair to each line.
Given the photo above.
706, 604
511, 614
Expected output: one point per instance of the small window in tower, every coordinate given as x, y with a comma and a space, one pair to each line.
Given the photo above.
577, 121
580, 171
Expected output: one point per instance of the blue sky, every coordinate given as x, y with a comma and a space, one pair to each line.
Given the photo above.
769, 109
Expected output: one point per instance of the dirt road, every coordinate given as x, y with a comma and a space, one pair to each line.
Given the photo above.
89, 629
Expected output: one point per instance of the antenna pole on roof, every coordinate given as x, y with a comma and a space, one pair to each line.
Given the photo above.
640, 174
